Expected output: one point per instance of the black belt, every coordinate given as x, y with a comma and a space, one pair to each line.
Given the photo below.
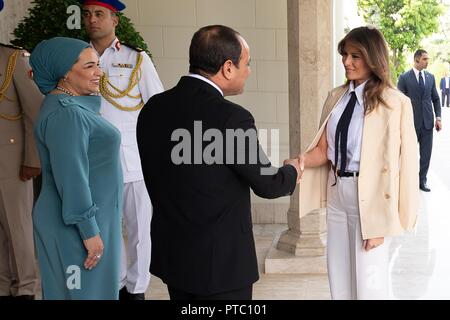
344, 174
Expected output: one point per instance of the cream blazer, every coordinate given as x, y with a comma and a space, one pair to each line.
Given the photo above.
388, 185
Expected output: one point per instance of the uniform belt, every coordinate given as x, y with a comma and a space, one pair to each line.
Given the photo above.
344, 174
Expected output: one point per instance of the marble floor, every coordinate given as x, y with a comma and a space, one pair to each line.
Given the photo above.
269, 287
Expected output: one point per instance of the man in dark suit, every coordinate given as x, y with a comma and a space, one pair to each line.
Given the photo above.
420, 86
202, 239
445, 90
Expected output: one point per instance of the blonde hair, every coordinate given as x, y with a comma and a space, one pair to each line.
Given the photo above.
370, 41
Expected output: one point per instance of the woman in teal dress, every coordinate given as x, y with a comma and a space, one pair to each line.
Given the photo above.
77, 221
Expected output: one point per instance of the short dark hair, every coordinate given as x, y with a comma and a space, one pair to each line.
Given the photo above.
211, 46
418, 54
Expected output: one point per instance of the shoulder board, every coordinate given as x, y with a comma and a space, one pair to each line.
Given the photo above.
11, 46
132, 47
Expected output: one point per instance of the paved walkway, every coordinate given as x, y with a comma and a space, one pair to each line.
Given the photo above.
420, 262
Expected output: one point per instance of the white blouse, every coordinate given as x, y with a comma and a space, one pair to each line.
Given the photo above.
355, 130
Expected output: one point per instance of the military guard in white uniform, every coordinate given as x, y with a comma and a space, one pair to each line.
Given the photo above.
129, 80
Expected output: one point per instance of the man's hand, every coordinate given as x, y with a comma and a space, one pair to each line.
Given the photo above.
27, 173
370, 244
438, 125
296, 164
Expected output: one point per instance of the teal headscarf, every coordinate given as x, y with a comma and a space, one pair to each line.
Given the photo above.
52, 59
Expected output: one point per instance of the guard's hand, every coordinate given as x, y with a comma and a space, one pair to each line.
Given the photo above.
370, 244
438, 125
296, 164
27, 173
94, 247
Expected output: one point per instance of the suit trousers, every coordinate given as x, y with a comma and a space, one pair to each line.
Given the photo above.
425, 139
136, 253
353, 273
239, 294
17, 260
445, 95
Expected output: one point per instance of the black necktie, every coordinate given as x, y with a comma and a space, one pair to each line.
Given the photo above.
340, 142
421, 83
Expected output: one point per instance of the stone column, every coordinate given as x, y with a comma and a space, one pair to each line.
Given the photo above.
310, 51
12, 13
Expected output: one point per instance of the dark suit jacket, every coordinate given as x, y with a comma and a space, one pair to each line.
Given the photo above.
202, 239
422, 104
442, 86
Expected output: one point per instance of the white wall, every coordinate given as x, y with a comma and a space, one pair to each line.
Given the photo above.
12, 13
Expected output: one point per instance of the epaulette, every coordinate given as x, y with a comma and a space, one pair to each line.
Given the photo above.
11, 46
132, 47
25, 53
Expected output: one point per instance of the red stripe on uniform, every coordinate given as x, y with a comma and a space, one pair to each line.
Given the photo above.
98, 3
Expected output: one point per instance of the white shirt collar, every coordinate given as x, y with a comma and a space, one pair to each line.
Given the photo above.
197, 76
113, 45
416, 72
359, 91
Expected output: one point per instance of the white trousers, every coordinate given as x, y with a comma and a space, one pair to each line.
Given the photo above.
135, 257
353, 273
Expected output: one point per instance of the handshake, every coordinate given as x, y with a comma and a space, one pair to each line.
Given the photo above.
299, 165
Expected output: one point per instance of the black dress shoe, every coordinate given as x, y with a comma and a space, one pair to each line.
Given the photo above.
136, 296
424, 188
24, 297
125, 295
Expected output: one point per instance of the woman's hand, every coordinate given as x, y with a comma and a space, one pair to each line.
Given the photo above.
301, 160
298, 163
370, 244
94, 247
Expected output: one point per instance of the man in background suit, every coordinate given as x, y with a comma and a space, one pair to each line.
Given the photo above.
420, 86
203, 246
445, 90
20, 101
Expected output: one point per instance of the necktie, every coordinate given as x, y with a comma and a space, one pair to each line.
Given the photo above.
421, 83
340, 142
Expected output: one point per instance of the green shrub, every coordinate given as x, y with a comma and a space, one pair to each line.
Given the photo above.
48, 18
